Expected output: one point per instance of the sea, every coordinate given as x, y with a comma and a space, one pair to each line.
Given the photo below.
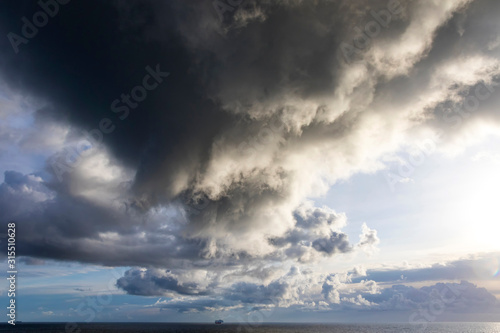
262, 328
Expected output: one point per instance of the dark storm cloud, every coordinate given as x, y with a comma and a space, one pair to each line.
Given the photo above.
90, 54
256, 115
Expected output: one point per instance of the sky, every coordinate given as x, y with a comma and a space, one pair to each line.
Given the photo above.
255, 161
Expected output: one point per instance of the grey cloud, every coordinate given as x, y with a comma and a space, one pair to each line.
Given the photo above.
480, 268
229, 291
54, 223
296, 291
258, 294
200, 304
153, 283
308, 217
368, 239
454, 297
318, 229
336, 243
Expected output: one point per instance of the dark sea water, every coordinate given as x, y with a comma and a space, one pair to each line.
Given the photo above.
264, 328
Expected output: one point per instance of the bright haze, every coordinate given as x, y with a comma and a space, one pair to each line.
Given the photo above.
290, 160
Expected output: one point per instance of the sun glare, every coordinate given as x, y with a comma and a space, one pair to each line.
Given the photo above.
477, 209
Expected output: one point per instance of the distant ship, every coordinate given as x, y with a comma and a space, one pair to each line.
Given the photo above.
219, 322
